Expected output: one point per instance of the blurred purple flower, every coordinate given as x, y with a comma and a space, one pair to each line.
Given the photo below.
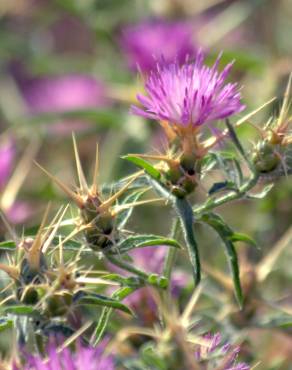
189, 95
146, 42
57, 94
7, 154
64, 93
226, 352
83, 359
19, 212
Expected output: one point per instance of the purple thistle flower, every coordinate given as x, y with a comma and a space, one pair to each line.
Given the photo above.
146, 42
227, 353
7, 154
189, 95
19, 212
57, 94
85, 358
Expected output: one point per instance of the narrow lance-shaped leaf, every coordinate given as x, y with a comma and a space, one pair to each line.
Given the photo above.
8, 245
5, 323
123, 216
227, 235
280, 320
106, 312
140, 241
18, 310
185, 214
100, 300
144, 165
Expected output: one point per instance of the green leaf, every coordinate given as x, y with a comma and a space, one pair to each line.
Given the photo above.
140, 241
240, 237
132, 281
144, 165
229, 163
185, 214
280, 320
18, 310
151, 358
157, 280
71, 244
221, 186
100, 300
262, 194
106, 313
5, 323
8, 245
226, 234
123, 217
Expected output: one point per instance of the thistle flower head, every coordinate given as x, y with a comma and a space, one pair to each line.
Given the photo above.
190, 95
278, 130
84, 358
269, 153
144, 43
227, 353
97, 215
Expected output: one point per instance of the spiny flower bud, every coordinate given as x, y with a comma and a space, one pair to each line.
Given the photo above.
179, 172
98, 216
265, 157
269, 153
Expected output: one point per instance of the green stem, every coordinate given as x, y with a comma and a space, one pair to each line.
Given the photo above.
152, 279
127, 267
229, 197
185, 213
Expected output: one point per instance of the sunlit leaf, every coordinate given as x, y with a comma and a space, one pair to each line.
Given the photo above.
144, 165
100, 300
139, 241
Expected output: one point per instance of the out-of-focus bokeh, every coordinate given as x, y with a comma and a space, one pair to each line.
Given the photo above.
76, 65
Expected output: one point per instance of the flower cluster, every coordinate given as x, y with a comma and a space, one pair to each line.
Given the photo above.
85, 358
226, 354
189, 95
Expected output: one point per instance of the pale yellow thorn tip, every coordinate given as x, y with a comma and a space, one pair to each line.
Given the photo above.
75, 197
80, 173
96, 170
112, 199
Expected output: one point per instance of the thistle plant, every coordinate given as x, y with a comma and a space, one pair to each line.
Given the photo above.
80, 275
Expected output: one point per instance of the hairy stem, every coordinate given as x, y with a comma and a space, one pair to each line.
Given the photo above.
234, 195
127, 267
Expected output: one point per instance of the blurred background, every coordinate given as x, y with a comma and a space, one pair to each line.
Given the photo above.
76, 65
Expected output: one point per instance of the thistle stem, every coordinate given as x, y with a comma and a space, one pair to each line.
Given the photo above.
230, 196
127, 267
